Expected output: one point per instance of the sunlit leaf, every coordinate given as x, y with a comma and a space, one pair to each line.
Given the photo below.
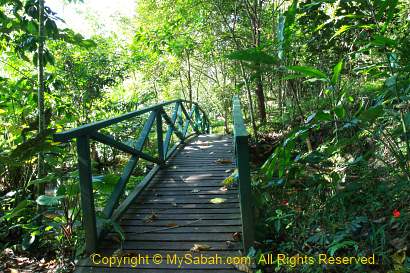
217, 200
308, 71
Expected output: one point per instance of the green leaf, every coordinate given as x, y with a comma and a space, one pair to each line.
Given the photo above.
407, 119
17, 210
340, 112
371, 113
336, 72
390, 14
335, 247
255, 55
383, 41
340, 31
45, 200
47, 179
309, 71
32, 28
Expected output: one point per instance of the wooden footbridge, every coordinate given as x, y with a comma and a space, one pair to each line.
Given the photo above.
181, 207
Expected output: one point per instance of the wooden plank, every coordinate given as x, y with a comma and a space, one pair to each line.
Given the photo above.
162, 200
171, 246
177, 210
154, 197
129, 270
87, 198
192, 223
187, 192
178, 237
185, 206
184, 216
134, 194
186, 229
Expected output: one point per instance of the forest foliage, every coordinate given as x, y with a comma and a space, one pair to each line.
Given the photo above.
325, 91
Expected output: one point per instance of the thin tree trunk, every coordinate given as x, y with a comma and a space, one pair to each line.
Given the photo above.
41, 88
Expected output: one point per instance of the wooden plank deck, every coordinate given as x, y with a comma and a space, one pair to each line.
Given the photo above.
175, 212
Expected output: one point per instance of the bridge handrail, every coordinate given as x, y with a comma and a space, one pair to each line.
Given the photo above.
240, 140
196, 119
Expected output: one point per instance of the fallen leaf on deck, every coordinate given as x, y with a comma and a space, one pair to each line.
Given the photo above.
236, 236
224, 161
228, 181
217, 200
171, 225
198, 248
223, 188
150, 218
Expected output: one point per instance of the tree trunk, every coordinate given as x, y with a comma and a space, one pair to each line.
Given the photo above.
40, 94
261, 100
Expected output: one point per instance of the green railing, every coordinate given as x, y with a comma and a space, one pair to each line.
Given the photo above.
240, 140
195, 119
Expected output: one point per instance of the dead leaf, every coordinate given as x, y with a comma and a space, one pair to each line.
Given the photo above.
236, 236
223, 188
229, 244
150, 218
217, 200
171, 225
223, 161
198, 248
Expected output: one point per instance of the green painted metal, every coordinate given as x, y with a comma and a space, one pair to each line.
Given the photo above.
242, 164
87, 199
160, 139
110, 141
84, 133
171, 129
119, 188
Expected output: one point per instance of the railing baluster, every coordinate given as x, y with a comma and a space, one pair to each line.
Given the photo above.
126, 174
86, 188
160, 137
171, 129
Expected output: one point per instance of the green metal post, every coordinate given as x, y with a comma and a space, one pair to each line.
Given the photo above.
87, 199
242, 163
160, 137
